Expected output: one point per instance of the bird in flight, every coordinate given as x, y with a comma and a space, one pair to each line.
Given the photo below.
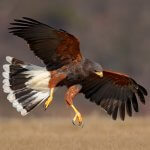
28, 85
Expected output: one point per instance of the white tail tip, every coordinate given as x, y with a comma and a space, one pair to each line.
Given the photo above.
6, 68
9, 59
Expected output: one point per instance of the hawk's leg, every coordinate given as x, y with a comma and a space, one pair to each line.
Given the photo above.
70, 94
55, 79
49, 100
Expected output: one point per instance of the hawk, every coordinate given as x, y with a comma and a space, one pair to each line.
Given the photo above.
28, 85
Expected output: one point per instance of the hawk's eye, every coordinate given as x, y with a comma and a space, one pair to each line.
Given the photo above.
96, 71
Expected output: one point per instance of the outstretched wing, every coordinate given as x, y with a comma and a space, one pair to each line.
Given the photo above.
55, 47
114, 92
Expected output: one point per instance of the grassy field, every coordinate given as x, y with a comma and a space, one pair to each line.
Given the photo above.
59, 134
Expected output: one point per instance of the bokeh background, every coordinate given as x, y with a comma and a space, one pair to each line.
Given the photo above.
115, 33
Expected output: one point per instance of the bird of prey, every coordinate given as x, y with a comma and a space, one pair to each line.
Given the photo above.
28, 85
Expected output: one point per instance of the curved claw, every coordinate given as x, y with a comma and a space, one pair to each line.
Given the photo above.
79, 125
48, 102
44, 107
79, 119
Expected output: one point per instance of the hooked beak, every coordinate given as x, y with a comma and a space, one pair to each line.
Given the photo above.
99, 74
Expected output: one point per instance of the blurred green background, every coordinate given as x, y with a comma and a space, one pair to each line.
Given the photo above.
115, 33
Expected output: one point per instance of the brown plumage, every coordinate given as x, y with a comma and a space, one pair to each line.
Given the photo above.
114, 92
66, 66
55, 47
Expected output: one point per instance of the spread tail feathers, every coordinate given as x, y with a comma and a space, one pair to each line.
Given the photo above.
25, 84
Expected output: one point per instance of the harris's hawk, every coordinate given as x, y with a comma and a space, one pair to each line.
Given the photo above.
29, 85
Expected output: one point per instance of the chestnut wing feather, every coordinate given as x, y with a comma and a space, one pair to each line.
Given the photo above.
55, 47
114, 92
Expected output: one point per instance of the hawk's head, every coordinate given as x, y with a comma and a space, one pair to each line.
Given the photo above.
92, 66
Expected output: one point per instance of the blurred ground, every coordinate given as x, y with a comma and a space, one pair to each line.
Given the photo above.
59, 134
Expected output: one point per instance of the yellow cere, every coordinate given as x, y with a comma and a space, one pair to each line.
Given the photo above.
99, 74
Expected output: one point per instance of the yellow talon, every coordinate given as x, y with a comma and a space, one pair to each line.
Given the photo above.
77, 117
49, 100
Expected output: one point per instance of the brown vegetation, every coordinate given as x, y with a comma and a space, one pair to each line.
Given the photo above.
112, 33
59, 134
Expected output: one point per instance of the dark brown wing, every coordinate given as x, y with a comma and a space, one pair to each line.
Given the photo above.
55, 47
114, 92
